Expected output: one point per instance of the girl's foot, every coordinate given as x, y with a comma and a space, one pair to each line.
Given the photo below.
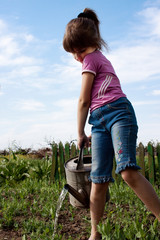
94, 238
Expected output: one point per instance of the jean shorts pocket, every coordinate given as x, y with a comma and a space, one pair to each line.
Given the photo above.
120, 104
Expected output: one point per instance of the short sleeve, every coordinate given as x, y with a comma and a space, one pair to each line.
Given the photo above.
89, 64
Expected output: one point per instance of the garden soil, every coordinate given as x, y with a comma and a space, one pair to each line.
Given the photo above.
73, 225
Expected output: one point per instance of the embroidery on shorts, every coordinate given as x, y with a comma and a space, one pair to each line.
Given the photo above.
119, 153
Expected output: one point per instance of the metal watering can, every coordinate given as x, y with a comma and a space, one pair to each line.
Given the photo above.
77, 172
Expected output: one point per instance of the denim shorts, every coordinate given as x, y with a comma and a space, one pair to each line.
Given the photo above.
114, 133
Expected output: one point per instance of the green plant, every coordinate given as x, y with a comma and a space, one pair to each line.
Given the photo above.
28, 205
127, 217
13, 170
42, 169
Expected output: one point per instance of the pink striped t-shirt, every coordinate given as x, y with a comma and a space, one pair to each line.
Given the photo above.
106, 85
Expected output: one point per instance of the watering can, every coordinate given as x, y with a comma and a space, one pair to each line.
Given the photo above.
77, 172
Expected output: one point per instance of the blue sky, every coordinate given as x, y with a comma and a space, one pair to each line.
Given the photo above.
40, 82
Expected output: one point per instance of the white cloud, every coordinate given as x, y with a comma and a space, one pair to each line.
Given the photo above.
136, 63
136, 59
29, 105
3, 25
1, 93
69, 70
11, 52
25, 71
23, 60
58, 123
66, 103
156, 92
151, 102
151, 16
28, 37
23, 64
149, 132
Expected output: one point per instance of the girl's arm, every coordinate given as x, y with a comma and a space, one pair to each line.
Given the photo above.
83, 106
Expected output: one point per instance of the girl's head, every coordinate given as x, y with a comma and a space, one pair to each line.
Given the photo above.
83, 32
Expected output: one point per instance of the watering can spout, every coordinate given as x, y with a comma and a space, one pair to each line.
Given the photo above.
80, 195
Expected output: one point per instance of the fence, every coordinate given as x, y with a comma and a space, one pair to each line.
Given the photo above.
148, 158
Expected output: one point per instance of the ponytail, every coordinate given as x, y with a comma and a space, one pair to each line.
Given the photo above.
83, 31
90, 14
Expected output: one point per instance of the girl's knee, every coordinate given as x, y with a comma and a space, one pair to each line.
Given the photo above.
99, 191
130, 176
99, 187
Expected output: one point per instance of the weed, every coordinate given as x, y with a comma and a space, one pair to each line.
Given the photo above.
28, 203
127, 218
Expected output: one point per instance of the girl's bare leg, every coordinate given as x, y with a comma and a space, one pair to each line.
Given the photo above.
143, 189
97, 205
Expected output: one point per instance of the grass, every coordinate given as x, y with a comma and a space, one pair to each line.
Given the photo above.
28, 204
29, 207
127, 217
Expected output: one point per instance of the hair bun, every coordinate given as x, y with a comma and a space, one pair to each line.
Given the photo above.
85, 15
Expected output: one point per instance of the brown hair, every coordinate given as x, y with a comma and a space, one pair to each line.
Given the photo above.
83, 32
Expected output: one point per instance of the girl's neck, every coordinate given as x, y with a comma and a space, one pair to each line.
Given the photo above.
90, 50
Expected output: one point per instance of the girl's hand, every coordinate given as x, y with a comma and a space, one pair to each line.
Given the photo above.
83, 141
90, 140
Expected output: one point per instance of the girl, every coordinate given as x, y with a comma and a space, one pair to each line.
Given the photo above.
114, 125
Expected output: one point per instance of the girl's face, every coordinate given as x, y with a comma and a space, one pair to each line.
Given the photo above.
80, 54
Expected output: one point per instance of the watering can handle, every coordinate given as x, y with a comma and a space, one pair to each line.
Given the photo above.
80, 159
